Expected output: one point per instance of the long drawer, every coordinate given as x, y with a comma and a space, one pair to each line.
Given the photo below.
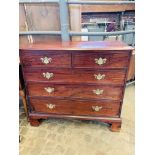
75, 91
45, 59
100, 60
75, 76
75, 107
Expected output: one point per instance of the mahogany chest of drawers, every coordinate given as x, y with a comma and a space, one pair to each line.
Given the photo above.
80, 80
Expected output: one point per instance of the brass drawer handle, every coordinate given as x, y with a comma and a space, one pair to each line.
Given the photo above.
48, 75
99, 76
49, 90
96, 108
46, 60
100, 61
50, 106
98, 91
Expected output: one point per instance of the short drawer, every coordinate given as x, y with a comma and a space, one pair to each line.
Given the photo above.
76, 107
100, 60
45, 59
75, 91
75, 76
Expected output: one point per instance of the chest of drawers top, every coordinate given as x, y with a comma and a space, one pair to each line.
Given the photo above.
78, 45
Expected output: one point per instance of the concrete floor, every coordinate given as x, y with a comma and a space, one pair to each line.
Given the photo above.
74, 137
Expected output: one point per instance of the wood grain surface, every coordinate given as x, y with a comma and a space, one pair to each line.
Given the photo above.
77, 107
87, 60
78, 45
75, 76
34, 59
75, 91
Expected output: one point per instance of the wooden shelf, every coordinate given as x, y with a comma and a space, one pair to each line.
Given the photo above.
107, 8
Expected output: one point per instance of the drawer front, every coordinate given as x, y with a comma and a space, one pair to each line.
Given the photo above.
76, 107
75, 91
48, 75
97, 108
51, 106
46, 59
76, 76
100, 60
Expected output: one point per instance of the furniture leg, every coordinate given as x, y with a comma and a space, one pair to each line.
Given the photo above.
115, 126
34, 122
